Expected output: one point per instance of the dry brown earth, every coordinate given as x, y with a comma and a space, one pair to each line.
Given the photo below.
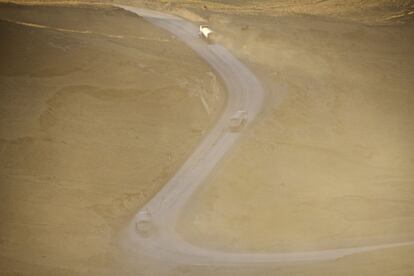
330, 162
98, 108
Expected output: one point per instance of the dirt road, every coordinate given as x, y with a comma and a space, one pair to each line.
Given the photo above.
245, 93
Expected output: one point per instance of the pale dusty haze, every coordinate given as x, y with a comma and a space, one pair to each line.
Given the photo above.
101, 107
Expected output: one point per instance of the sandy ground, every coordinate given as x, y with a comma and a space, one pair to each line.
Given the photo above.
329, 163
367, 11
378, 12
98, 109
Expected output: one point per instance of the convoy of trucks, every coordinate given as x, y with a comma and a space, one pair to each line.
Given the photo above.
239, 119
143, 221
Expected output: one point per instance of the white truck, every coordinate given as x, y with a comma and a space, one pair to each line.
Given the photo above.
238, 120
206, 33
143, 222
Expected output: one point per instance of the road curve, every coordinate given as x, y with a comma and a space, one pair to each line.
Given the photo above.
244, 92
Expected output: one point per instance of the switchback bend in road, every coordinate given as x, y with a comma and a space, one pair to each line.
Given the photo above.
244, 93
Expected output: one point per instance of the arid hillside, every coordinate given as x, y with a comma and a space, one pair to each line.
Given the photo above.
330, 162
367, 11
98, 109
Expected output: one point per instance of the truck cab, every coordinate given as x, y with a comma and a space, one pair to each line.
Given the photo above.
143, 222
238, 120
206, 33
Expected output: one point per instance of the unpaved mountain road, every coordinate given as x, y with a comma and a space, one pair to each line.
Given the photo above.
244, 93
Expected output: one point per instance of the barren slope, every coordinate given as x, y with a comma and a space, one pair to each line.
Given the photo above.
330, 164
98, 109
367, 11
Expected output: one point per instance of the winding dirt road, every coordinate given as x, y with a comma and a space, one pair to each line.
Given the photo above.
244, 93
